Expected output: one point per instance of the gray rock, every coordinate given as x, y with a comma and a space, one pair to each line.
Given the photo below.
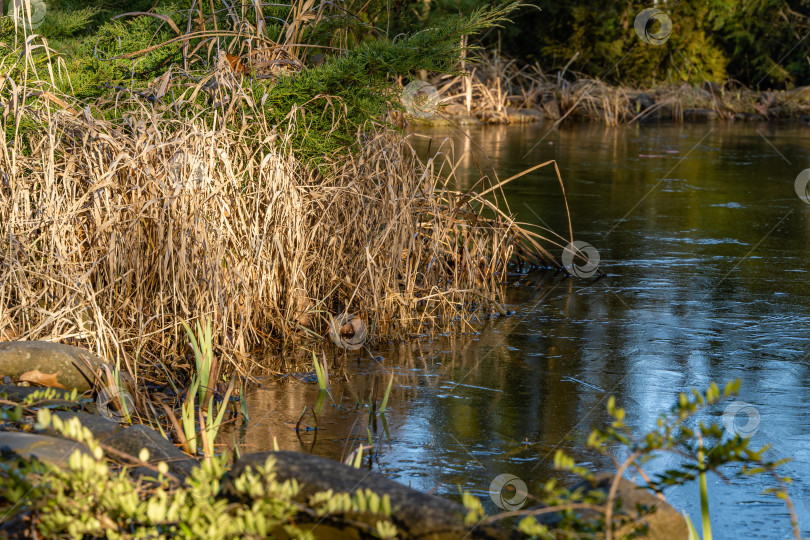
133, 439
465, 120
642, 102
455, 109
662, 520
19, 393
536, 113
523, 116
73, 366
699, 114
430, 121
51, 450
415, 514
550, 106
749, 117
101, 428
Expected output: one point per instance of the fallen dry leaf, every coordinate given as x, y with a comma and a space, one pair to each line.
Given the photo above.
44, 379
236, 63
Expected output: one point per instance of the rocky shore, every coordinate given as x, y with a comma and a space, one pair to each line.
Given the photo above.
415, 514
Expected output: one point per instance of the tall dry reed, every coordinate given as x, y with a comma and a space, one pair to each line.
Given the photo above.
113, 234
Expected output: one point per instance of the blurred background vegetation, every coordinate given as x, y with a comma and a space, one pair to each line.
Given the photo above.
757, 43
760, 43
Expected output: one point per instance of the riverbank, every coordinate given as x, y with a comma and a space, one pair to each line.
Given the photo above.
500, 91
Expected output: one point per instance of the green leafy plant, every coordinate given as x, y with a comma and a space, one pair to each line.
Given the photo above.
198, 423
703, 449
205, 362
88, 498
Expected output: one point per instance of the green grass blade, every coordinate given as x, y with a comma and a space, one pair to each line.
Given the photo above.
358, 457
319, 372
188, 418
213, 427
387, 394
693, 534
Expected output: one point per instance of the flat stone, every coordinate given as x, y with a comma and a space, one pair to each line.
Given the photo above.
465, 120
522, 116
455, 109
749, 117
712, 87
415, 514
535, 112
101, 428
493, 117
664, 522
19, 393
551, 107
135, 438
699, 114
429, 121
74, 367
52, 450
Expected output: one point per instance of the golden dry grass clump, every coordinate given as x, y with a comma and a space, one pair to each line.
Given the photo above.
113, 234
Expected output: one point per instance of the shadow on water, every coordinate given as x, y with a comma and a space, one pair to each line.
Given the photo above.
707, 249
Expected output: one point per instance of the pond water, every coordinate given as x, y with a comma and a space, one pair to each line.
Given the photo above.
707, 249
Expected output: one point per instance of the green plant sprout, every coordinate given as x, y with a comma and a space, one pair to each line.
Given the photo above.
203, 346
322, 372
387, 394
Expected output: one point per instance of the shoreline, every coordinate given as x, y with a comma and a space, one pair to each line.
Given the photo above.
594, 101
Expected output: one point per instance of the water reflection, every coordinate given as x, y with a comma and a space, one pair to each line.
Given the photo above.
707, 249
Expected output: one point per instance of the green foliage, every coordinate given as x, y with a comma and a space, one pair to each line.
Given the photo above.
321, 373
703, 449
608, 47
675, 435
755, 42
90, 499
411, 15
767, 42
387, 394
202, 343
96, 63
60, 23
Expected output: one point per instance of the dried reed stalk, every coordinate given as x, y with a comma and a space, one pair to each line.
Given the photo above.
112, 235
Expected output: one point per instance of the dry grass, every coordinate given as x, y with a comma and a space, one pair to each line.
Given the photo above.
113, 235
